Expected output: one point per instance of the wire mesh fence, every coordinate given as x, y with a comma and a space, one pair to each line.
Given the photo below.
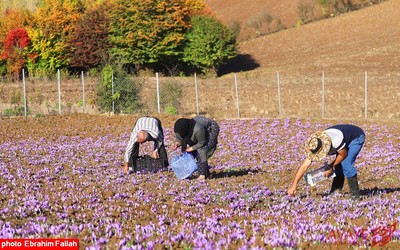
275, 94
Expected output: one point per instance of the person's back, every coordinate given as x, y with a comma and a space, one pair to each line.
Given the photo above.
204, 121
201, 134
145, 129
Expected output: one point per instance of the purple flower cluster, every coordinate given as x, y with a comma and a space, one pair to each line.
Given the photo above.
73, 187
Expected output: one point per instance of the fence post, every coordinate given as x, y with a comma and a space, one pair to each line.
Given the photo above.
83, 92
24, 89
323, 94
366, 94
279, 94
158, 93
237, 97
197, 95
59, 91
112, 92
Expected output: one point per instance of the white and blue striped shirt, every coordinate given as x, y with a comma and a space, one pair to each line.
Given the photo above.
151, 126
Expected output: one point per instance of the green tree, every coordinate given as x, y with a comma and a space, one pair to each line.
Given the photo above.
147, 32
208, 44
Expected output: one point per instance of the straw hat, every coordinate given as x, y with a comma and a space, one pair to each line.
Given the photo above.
318, 146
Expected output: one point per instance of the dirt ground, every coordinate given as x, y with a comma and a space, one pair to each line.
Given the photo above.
300, 96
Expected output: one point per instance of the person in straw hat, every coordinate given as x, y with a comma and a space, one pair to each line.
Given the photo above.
345, 141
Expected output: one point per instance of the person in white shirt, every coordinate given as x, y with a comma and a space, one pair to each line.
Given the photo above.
145, 129
345, 141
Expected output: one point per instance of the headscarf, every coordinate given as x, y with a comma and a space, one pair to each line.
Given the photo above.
184, 127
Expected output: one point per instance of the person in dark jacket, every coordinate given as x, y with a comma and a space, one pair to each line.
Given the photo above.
145, 129
345, 141
199, 136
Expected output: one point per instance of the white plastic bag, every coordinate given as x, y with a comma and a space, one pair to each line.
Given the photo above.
317, 175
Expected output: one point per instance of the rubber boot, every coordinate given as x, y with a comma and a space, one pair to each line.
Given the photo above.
337, 184
354, 189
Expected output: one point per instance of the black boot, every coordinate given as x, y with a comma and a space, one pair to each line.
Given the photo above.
337, 184
354, 190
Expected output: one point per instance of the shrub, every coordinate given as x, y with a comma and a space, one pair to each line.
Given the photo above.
17, 105
16, 111
257, 22
234, 27
305, 9
171, 110
8, 112
333, 7
126, 95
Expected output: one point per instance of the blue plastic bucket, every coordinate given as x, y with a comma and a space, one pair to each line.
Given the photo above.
183, 165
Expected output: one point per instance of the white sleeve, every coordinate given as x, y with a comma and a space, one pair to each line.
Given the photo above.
129, 147
337, 138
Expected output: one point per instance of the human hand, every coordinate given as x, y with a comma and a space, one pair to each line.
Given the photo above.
175, 145
291, 190
125, 169
189, 149
155, 154
328, 172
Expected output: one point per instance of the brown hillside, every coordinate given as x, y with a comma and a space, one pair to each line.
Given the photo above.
242, 11
362, 40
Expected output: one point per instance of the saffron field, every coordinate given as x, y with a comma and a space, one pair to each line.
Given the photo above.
61, 177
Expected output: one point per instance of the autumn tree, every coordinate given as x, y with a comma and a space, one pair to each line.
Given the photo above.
14, 50
11, 23
54, 24
89, 45
149, 32
208, 44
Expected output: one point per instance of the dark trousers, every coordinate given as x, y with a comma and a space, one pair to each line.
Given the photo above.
203, 154
338, 180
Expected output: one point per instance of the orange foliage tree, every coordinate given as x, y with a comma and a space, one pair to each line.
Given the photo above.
54, 25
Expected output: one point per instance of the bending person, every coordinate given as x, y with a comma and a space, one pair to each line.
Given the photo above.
345, 141
199, 136
145, 129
